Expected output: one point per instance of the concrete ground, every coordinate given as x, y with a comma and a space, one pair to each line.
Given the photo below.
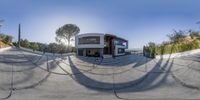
29, 76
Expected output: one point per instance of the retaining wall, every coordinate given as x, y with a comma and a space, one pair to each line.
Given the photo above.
176, 55
4, 49
41, 53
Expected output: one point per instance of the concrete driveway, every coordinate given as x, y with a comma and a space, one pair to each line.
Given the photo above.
29, 76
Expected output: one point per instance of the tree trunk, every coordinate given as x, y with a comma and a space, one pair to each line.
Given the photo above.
68, 43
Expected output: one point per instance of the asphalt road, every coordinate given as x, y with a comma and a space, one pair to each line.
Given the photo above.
28, 76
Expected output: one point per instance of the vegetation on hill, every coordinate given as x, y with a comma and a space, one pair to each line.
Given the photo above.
180, 41
64, 36
5, 40
49, 48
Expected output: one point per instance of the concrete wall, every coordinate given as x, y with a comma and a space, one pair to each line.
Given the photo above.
48, 54
4, 49
176, 55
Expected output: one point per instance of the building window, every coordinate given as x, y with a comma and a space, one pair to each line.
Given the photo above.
120, 42
121, 50
89, 40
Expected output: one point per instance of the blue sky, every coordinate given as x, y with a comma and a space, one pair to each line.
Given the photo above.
139, 21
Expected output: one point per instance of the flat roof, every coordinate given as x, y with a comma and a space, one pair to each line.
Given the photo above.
105, 34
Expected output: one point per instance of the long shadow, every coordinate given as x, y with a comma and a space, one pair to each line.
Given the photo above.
117, 62
152, 76
102, 86
29, 74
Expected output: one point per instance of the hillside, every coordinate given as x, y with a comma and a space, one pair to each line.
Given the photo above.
3, 45
179, 42
5, 40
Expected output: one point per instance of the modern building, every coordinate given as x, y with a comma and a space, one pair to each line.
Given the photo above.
99, 44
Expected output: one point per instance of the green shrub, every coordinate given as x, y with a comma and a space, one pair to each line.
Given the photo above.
24, 43
34, 46
176, 47
7, 39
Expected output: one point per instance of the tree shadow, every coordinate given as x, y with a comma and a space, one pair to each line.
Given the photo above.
90, 83
116, 62
25, 77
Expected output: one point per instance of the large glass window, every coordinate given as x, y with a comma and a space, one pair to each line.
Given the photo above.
121, 50
89, 40
120, 42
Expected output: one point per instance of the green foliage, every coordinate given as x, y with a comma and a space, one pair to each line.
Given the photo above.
24, 43
42, 47
7, 39
179, 42
149, 50
34, 46
177, 36
176, 47
195, 34
51, 48
66, 32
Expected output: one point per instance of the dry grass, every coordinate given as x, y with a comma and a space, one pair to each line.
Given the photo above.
3, 45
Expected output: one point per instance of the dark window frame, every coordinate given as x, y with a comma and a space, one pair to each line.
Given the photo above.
119, 49
89, 40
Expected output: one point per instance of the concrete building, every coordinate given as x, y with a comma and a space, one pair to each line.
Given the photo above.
99, 44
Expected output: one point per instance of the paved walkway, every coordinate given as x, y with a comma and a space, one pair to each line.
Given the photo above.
25, 75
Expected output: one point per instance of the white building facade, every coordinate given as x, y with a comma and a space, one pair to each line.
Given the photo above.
99, 44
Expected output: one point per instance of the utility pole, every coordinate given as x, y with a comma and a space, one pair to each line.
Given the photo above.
19, 35
1, 21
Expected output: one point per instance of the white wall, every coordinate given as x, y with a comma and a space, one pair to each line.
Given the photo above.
4, 49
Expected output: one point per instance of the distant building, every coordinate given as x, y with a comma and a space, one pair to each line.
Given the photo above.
99, 44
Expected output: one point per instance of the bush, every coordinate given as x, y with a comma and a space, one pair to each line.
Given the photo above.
34, 46
179, 42
177, 36
7, 39
149, 50
176, 47
51, 48
24, 43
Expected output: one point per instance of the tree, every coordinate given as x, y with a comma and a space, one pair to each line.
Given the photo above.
177, 36
34, 46
43, 47
7, 39
62, 48
24, 43
66, 33
52, 47
194, 34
